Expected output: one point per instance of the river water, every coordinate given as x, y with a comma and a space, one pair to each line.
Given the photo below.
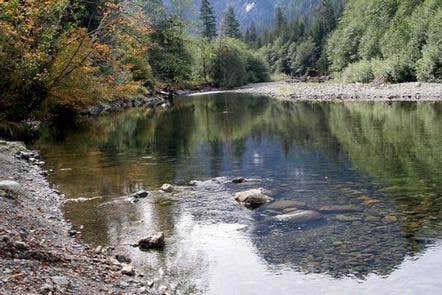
383, 159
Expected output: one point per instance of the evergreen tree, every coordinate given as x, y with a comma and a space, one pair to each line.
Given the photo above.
281, 21
208, 20
327, 18
230, 26
251, 36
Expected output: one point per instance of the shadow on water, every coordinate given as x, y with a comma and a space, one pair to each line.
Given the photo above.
382, 159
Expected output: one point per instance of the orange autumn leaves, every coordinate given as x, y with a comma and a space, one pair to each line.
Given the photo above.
74, 66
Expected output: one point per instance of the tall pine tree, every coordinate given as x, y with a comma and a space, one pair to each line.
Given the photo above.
281, 21
208, 20
230, 26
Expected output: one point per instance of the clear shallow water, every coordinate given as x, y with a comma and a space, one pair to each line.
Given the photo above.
384, 159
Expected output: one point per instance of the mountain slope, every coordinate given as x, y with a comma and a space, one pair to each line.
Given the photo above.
260, 12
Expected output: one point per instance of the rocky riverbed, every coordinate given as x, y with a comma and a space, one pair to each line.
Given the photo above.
39, 251
330, 91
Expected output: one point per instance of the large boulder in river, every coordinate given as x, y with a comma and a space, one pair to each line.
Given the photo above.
253, 198
299, 216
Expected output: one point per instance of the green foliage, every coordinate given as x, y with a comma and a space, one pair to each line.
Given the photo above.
230, 25
234, 65
399, 33
360, 71
296, 48
208, 20
168, 56
303, 56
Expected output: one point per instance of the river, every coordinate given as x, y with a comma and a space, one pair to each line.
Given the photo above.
384, 159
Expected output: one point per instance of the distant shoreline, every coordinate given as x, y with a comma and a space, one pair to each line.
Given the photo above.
329, 91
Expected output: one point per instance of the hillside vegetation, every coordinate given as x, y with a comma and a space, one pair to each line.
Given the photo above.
388, 40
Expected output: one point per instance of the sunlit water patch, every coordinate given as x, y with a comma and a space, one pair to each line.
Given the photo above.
372, 170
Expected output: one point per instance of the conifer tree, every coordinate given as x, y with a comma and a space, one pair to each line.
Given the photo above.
251, 36
281, 21
208, 20
230, 26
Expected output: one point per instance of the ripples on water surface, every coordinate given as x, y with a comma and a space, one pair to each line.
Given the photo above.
383, 159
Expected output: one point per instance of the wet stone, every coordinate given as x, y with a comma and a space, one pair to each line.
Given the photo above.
139, 195
336, 209
390, 218
155, 241
252, 198
284, 204
300, 216
239, 180
168, 188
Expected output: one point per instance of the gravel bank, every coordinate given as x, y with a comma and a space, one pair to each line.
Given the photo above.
39, 253
287, 90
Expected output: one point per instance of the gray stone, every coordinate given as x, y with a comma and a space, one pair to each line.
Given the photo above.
10, 186
300, 216
124, 284
283, 204
336, 209
46, 288
168, 188
128, 270
19, 245
123, 258
60, 280
253, 198
155, 241
347, 218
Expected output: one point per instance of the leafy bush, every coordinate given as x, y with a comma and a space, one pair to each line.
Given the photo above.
234, 65
429, 67
360, 71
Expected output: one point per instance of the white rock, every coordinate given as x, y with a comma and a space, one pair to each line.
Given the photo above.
10, 186
168, 188
128, 270
300, 216
253, 197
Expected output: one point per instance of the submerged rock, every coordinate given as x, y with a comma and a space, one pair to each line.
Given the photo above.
388, 219
347, 218
139, 195
253, 198
155, 241
300, 216
339, 209
239, 180
284, 204
168, 188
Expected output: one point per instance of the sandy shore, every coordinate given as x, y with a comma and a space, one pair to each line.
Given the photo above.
39, 252
346, 92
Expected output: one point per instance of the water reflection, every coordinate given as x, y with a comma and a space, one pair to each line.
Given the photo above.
383, 159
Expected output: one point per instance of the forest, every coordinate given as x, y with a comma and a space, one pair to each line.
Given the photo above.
60, 56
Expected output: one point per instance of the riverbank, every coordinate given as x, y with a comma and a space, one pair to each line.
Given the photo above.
39, 252
330, 91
